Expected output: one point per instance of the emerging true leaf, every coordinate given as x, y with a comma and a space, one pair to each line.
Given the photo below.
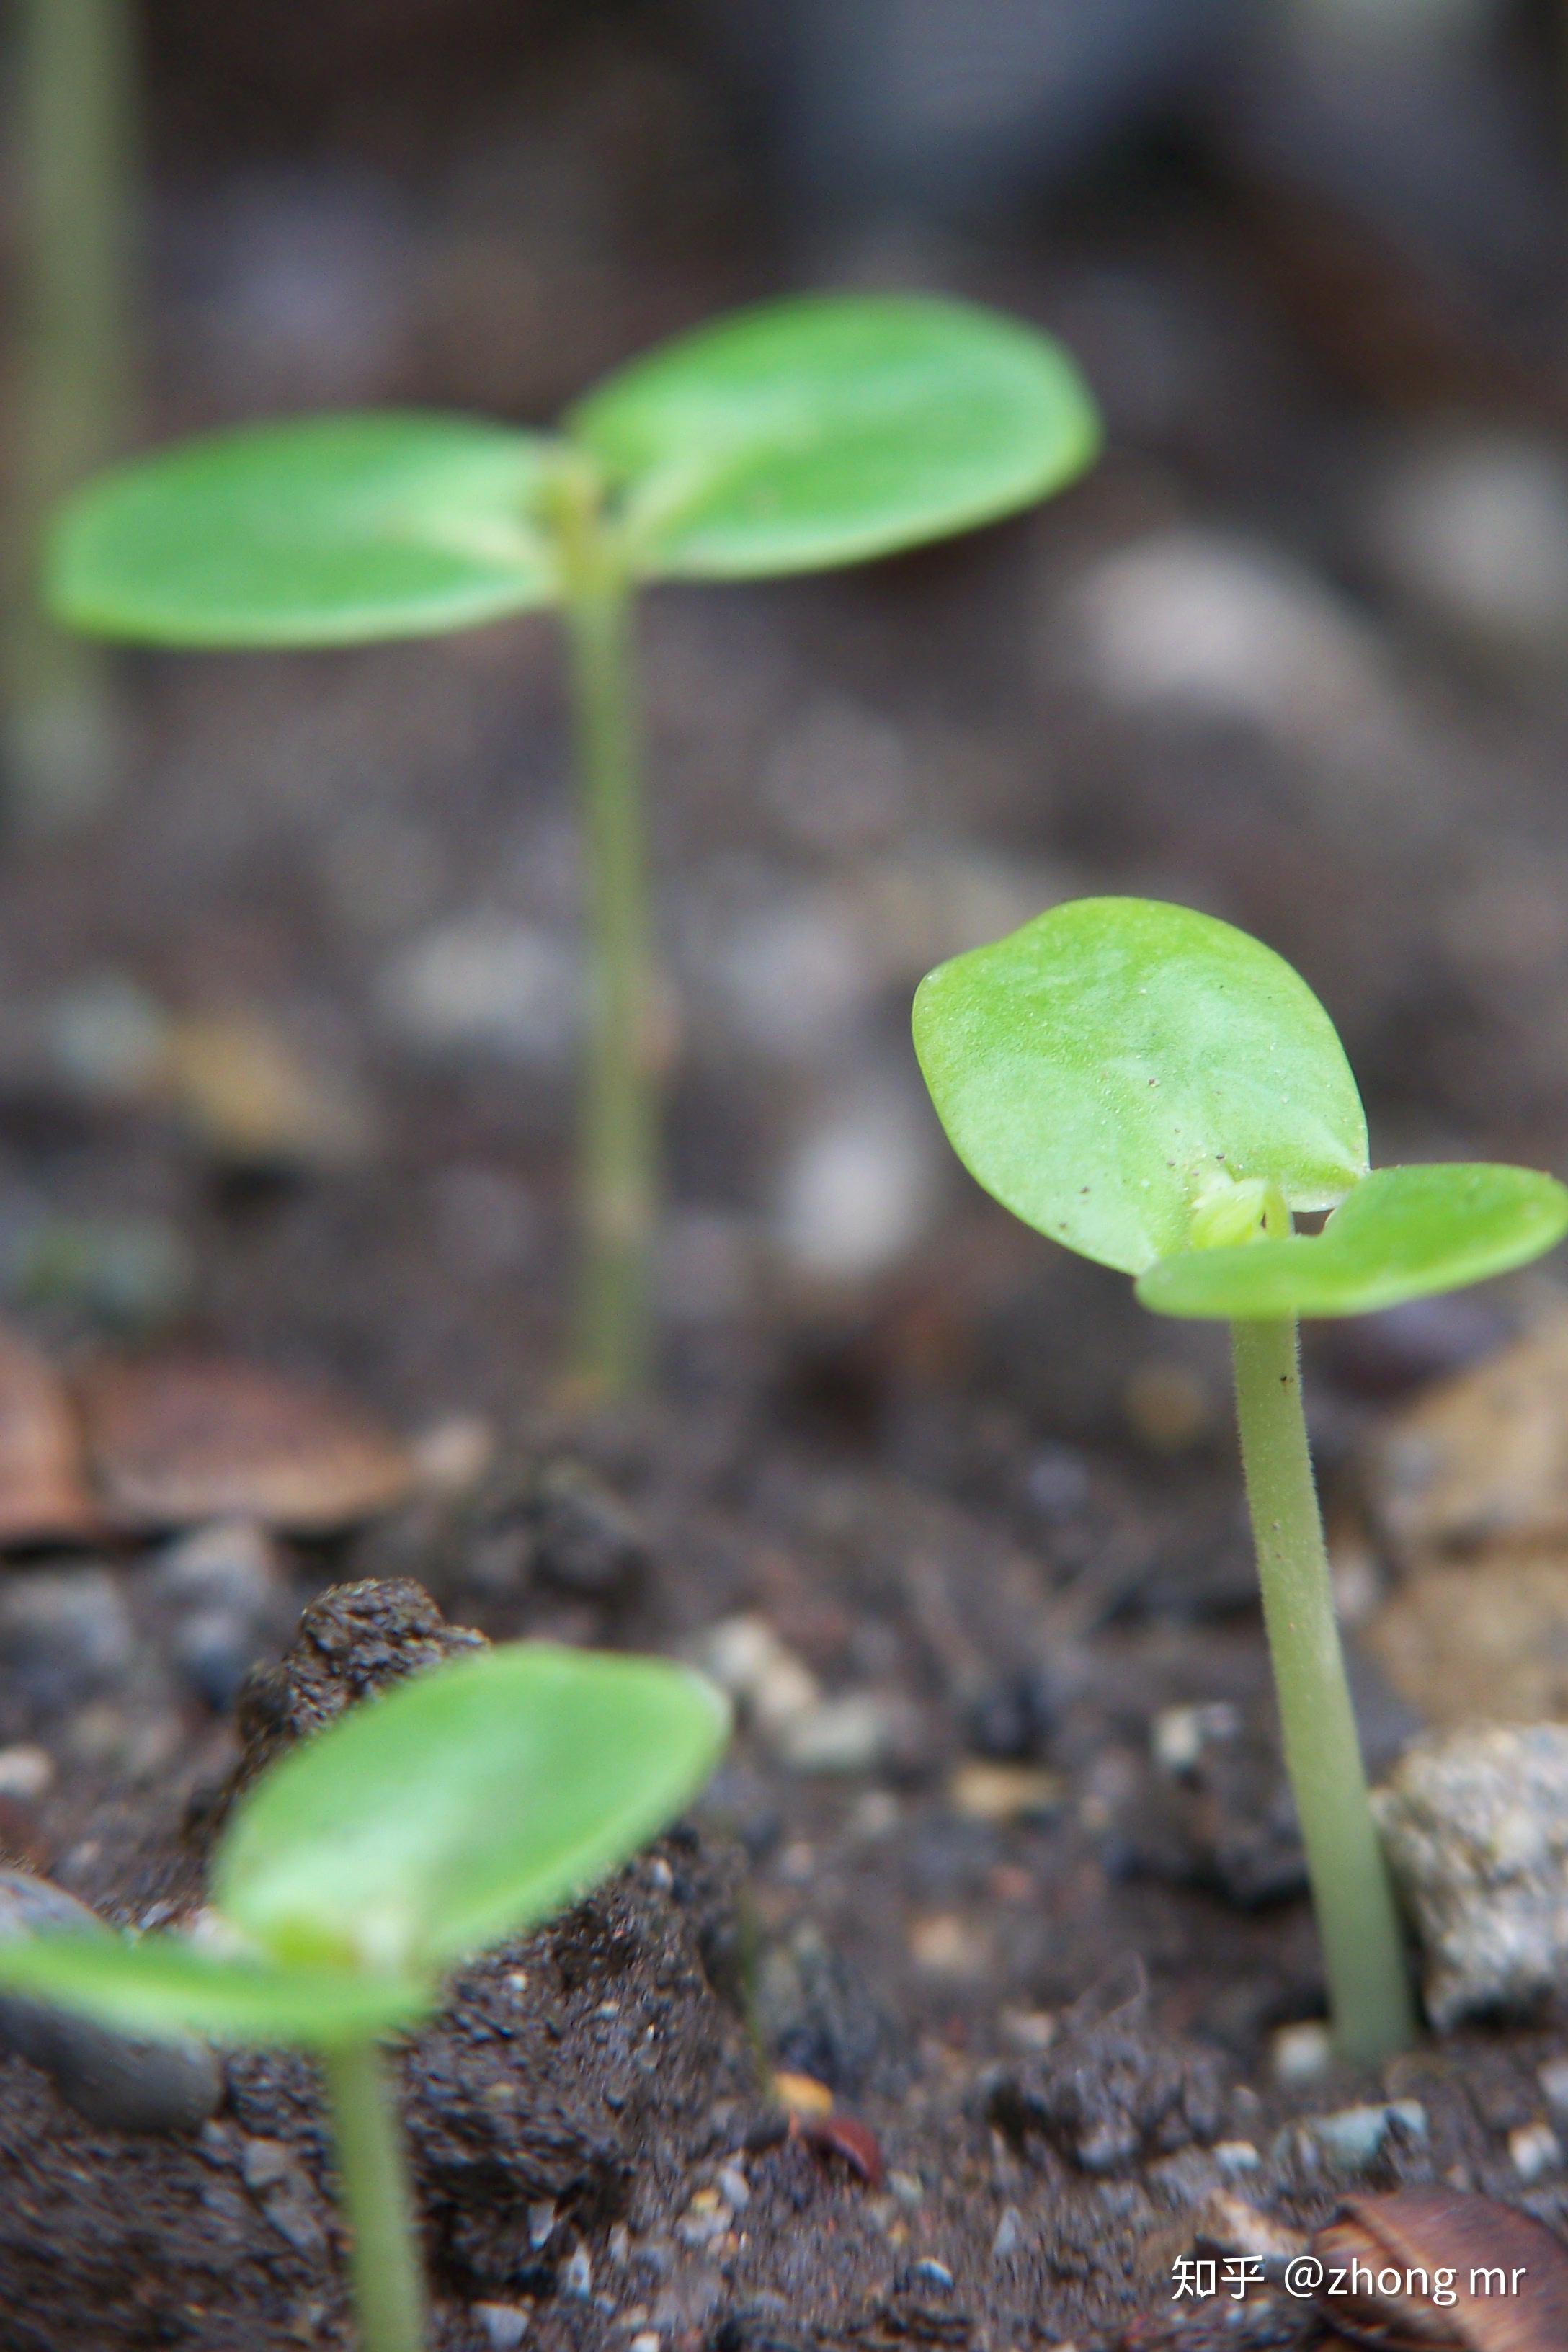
325, 530
1403, 1232
165, 1987
464, 1806
1112, 1071
828, 428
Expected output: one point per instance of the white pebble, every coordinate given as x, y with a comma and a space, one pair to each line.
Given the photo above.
1533, 2150
1299, 2052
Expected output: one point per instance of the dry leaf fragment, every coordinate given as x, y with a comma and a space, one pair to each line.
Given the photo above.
179, 1440
255, 1103
44, 1492
1434, 2270
846, 2136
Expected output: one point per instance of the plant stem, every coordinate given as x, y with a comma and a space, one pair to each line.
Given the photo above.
378, 2204
619, 1149
79, 142
1364, 1955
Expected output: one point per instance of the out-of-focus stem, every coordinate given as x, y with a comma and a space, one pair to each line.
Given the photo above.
618, 1147
80, 170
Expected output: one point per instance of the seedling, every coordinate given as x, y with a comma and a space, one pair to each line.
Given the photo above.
76, 103
469, 1803
806, 433
1163, 1094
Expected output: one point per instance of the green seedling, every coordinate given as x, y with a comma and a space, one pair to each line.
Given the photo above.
1164, 1095
806, 433
469, 1803
77, 99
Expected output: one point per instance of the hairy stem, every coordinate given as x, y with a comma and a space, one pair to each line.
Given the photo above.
79, 139
1364, 1955
619, 1141
378, 2204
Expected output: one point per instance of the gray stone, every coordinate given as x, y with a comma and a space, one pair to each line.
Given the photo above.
486, 987
65, 1633
112, 2080
1352, 2140
1475, 1826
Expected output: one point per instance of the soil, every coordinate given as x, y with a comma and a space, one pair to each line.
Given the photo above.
960, 1479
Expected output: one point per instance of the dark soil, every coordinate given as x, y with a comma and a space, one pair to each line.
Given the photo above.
967, 1484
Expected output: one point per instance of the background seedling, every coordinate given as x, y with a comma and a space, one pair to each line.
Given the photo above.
805, 434
468, 1804
1163, 1094
76, 140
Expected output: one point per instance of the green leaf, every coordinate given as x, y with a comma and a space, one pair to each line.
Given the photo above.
167, 1986
322, 531
1114, 1069
830, 427
465, 1805
1403, 1232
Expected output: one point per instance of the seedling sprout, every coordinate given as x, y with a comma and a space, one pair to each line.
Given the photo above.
1163, 1094
803, 434
468, 1804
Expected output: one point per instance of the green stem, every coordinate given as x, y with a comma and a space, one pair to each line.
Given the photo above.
1363, 1954
79, 142
377, 2201
619, 1143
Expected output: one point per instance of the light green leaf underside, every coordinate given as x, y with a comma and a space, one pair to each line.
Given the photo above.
165, 1987
319, 532
828, 429
466, 1805
1403, 1232
1102, 1068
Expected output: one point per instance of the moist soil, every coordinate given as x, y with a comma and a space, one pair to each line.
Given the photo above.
959, 1477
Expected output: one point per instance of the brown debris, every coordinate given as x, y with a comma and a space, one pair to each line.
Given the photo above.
44, 1492
179, 1440
1407, 2242
843, 2135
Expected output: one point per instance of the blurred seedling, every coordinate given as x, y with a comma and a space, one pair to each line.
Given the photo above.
468, 1804
76, 96
1164, 1095
803, 434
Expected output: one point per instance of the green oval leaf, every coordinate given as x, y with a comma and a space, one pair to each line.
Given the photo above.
465, 1805
322, 531
1111, 1068
166, 1987
830, 427
1403, 1232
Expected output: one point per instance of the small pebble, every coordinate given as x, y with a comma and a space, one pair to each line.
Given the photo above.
264, 2162
734, 2188
1009, 2234
908, 2188
1298, 2053
504, 2324
1534, 2150
1475, 1825
851, 1734
1352, 2138
1004, 1793
64, 1632
577, 2277
1178, 1736
646, 2341
929, 2271
1235, 2156
25, 1772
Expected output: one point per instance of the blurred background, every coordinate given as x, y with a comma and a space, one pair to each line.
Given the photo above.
286, 1020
